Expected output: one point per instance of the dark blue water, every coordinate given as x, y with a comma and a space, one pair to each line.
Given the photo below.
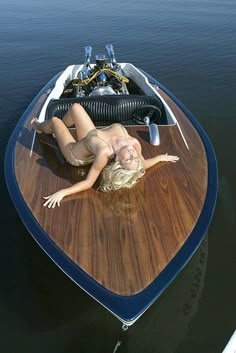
189, 46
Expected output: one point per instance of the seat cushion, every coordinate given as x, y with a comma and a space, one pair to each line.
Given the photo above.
106, 110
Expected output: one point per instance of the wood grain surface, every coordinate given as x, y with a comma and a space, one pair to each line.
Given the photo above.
122, 239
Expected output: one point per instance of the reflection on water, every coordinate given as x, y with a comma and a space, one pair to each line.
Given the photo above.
163, 327
55, 315
227, 201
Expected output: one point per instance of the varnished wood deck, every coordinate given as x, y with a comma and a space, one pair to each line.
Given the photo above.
123, 239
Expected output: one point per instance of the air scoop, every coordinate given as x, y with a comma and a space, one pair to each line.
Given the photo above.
88, 53
111, 54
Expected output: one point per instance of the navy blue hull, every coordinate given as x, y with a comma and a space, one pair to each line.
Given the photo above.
125, 308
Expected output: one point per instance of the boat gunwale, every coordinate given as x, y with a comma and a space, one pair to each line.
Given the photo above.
126, 308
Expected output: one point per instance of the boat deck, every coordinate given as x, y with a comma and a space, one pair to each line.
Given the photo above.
123, 239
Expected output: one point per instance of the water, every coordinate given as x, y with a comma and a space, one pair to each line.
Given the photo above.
188, 45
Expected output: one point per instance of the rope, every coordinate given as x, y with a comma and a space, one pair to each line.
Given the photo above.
119, 342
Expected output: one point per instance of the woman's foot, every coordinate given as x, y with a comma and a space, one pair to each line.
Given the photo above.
36, 125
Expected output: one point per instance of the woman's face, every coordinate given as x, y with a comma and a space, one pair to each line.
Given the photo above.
128, 157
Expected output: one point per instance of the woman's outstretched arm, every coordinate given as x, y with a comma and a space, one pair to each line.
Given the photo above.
150, 162
94, 172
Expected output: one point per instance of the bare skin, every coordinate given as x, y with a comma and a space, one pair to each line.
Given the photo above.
109, 143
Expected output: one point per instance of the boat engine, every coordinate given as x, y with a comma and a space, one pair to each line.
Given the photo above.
103, 78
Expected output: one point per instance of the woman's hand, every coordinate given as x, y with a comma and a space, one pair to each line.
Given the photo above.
168, 158
54, 199
94, 172
150, 162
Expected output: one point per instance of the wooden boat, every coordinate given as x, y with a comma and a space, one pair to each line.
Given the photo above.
125, 247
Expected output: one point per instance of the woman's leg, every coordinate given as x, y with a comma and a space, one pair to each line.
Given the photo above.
77, 116
45, 126
58, 128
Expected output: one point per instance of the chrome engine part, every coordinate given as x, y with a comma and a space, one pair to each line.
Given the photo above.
104, 78
101, 91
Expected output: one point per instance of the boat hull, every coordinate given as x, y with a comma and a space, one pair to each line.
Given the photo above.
125, 299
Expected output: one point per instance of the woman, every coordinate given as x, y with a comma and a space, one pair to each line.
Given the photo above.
97, 147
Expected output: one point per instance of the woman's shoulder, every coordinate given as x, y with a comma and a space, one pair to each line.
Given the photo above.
133, 139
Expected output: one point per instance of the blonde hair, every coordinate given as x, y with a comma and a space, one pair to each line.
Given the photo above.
114, 176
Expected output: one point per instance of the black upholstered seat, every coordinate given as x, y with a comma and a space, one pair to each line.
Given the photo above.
105, 110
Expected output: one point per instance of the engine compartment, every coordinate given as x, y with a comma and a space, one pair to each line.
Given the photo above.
110, 92
102, 78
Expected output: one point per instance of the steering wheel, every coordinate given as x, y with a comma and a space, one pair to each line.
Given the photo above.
147, 111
